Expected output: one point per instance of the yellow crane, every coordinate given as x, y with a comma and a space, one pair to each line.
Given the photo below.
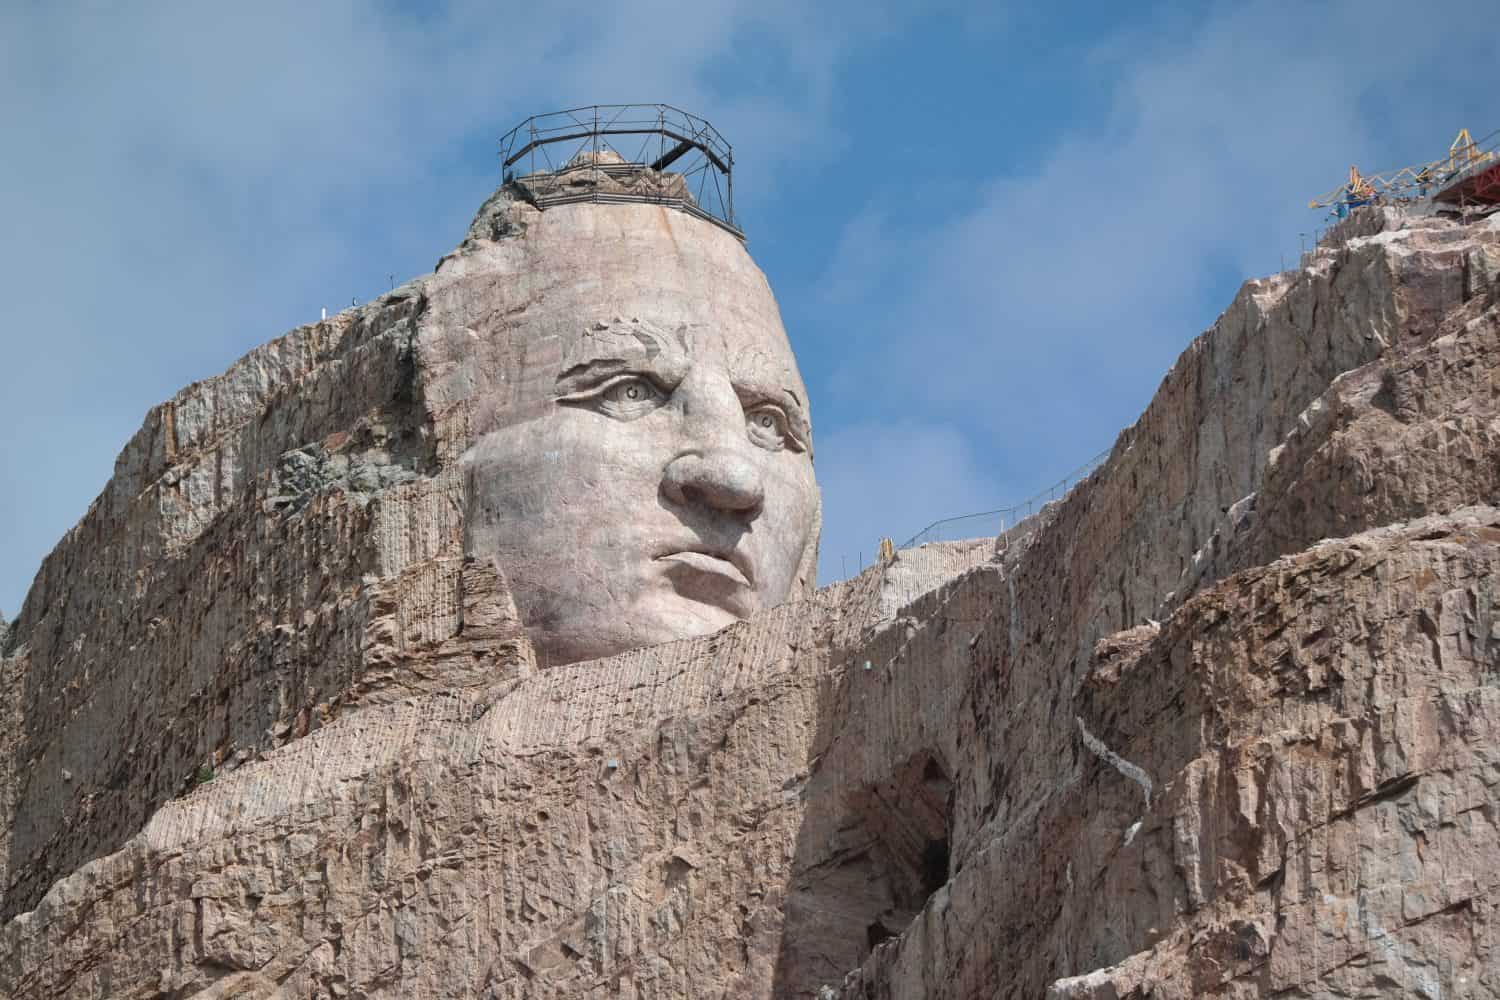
1407, 182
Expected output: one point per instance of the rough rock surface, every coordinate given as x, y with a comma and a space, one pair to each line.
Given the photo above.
606, 173
393, 501
1221, 722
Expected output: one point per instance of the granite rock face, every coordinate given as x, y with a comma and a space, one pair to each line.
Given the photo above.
1221, 722
584, 435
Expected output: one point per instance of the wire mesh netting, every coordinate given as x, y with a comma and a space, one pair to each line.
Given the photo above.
991, 526
994, 523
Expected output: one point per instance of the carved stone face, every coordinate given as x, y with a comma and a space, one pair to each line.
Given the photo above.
646, 471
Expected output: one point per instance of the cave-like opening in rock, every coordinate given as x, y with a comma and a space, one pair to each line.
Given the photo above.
867, 871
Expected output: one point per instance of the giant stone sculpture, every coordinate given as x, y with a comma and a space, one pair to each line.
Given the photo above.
641, 465
584, 433
929, 781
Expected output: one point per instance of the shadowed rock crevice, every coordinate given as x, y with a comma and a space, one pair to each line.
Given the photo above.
909, 821
860, 887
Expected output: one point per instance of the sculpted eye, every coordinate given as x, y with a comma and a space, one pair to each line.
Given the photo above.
623, 397
631, 390
768, 427
630, 397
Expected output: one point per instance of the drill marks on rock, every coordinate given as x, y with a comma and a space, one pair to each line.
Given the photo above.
600, 703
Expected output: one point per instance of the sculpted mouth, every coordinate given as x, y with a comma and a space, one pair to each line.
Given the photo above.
729, 566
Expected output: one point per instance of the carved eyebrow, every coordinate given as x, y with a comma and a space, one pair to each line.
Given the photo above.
617, 346
762, 376
589, 371
752, 389
587, 374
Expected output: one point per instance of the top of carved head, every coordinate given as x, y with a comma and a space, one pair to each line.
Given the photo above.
640, 465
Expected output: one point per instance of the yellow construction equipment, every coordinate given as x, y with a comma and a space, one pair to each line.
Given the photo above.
1408, 182
1463, 154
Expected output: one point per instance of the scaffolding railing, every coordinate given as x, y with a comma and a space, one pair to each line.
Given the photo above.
619, 153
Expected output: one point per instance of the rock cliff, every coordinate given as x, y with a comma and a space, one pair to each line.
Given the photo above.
1221, 722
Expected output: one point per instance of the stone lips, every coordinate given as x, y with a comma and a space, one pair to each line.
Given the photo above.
1272, 605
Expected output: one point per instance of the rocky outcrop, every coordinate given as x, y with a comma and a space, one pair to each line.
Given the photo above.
1221, 722
1190, 844
213, 602
583, 828
288, 539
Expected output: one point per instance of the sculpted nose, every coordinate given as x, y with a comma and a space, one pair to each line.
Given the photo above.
714, 466
717, 478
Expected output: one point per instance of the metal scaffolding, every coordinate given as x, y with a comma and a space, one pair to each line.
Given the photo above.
622, 153
1438, 179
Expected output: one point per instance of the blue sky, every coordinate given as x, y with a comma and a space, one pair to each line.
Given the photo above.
991, 227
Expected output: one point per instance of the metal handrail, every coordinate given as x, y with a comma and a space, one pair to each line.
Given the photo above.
689, 144
702, 125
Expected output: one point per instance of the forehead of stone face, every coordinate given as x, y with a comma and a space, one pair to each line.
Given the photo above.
587, 282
